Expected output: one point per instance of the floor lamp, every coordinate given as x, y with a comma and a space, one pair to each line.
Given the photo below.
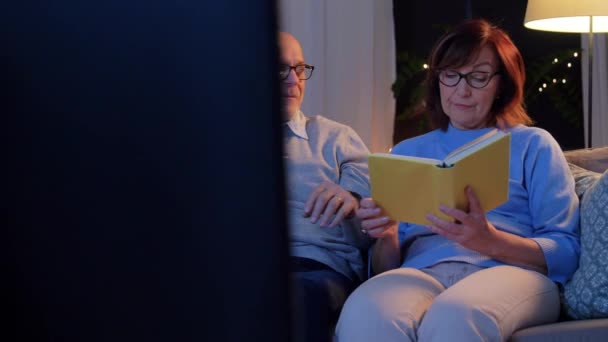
575, 16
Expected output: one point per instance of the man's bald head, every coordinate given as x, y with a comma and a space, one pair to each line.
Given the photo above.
288, 41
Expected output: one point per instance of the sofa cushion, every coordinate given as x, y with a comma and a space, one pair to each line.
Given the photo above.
586, 294
584, 330
594, 159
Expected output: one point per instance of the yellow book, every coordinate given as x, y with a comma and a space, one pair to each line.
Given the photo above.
408, 188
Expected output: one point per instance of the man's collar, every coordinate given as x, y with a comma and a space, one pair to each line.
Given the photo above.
297, 124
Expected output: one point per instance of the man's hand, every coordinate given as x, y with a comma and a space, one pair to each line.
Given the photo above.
327, 200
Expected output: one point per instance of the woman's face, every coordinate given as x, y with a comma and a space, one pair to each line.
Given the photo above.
468, 107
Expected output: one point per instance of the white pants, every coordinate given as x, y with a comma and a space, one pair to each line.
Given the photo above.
448, 302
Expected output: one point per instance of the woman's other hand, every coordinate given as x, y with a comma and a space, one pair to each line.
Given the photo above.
374, 221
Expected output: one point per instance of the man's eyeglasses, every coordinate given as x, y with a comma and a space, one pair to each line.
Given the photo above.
303, 71
476, 79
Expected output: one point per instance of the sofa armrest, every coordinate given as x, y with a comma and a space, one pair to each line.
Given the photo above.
594, 159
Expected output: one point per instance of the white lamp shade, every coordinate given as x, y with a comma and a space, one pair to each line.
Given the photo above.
567, 15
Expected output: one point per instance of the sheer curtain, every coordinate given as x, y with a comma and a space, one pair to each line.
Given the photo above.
351, 43
599, 115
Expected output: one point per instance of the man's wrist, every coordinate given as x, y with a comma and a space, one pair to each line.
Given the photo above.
358, 198
356, 195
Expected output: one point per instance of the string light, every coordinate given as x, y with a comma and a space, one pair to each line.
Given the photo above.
544, 86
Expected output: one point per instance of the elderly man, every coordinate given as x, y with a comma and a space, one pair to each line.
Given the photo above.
326, 169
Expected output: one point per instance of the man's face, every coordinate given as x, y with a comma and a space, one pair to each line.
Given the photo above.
292, 88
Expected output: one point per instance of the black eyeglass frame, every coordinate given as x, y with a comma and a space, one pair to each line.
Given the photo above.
466, 77
304, 72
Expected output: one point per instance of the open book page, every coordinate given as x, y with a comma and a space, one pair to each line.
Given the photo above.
472, 146
412, 158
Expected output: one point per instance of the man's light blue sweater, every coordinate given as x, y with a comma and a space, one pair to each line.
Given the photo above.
316, 150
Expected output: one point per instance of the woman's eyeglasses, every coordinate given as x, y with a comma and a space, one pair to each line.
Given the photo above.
476, 79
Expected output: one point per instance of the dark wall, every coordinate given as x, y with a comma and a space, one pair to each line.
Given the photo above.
419, 24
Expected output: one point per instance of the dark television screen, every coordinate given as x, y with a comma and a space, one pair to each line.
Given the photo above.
142, 192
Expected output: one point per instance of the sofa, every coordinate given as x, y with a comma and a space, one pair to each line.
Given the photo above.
584, 314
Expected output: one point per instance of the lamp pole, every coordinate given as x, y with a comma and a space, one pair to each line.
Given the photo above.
590, 79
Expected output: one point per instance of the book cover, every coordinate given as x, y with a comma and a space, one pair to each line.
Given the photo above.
408, 188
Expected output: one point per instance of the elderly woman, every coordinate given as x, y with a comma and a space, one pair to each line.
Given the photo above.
479, 276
